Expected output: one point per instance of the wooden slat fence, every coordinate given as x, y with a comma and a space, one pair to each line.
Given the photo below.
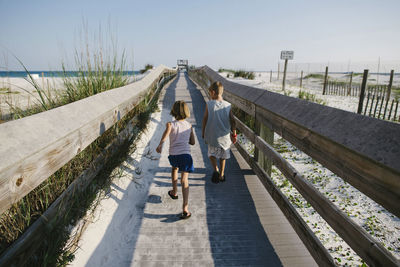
342, 88
378, 105
360, 150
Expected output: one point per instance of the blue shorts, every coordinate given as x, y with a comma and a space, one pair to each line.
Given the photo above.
184, 162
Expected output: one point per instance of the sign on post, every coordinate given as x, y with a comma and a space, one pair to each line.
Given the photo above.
286, 55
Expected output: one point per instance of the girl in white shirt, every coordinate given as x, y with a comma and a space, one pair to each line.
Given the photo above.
180, 134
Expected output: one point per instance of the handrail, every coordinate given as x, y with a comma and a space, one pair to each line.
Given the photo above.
34, 147
363, 151
279, 113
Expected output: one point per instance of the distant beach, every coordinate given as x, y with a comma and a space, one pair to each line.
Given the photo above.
47, 73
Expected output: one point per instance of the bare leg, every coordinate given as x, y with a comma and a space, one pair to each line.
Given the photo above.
222, 167
185, 191
174, 177
214, 163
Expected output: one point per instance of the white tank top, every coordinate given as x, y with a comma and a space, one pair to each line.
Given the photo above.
218, 126
179, 137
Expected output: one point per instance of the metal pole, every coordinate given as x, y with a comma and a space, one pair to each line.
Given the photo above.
284, 76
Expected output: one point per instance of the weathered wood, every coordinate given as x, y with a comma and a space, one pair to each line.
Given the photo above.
362, 93
284, 76
28, 158
364, 245
391, 107
301, 79
361, 150
389, 89
394, 116
325, 80
27, 244
268, 135
313, 244
366, 105
380, 183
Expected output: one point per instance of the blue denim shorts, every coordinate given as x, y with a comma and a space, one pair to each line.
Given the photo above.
184, 162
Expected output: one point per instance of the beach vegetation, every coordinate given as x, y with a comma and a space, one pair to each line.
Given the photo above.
146, 68
239, 73
315, 76
98, 71
311, 97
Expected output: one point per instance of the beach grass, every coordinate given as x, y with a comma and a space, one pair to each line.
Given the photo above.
55, 250
314, 76
311, 97
97, 72
239, 73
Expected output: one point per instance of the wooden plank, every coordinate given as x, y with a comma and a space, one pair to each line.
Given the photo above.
354, 235
356, 148
314, 246
26, 245
375, 180
28, 158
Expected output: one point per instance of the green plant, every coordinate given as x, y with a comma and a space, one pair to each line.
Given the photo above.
315, 76
310, 97
146, 68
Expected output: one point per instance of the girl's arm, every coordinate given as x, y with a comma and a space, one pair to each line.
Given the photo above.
192, 141
233, 127
204, 123
164, 137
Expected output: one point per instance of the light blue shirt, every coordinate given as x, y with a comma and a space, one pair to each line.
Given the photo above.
218, 126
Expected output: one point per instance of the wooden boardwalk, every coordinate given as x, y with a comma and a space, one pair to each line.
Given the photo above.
235, 223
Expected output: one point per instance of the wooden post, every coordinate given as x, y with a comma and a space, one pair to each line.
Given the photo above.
278, 70
268, 135
362, 93
284, 76
270, 76
390, 85
301, 79
325, 80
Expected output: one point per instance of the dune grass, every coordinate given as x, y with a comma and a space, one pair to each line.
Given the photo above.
314, 76
97, 73
239, 73
55, 250
311, 97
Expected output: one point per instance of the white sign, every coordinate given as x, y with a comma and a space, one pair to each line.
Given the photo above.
287, 54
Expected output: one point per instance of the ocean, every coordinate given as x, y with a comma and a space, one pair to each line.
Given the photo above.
46, 73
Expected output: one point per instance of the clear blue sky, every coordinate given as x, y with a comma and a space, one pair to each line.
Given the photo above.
233, 34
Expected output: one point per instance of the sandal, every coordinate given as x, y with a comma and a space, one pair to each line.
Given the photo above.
215, 178
222, 179
185, 215
171, 195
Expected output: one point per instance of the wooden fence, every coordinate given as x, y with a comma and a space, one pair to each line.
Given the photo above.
361, 150
34, 147
379, 106
343, 89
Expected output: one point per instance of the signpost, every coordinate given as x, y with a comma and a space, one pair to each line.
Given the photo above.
286, 55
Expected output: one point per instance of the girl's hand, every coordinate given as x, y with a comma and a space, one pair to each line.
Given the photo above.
159, 148
234, 138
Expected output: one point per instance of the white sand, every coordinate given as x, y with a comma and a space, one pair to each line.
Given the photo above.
382, 225
123, 205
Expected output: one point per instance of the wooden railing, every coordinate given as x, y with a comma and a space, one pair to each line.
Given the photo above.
34, 147
103, 110
363, 151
